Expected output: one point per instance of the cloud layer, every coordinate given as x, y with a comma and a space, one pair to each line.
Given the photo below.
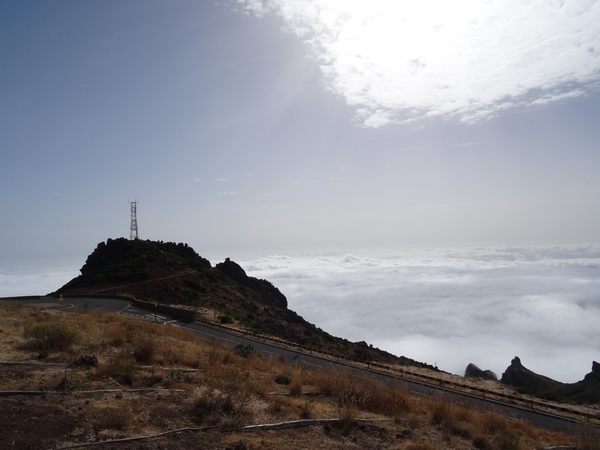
36, 277
453, 307
401, 61
444, 306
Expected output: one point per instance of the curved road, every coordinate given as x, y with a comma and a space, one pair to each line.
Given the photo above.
307, 360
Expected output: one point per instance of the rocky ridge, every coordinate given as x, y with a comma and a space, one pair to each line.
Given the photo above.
527, 381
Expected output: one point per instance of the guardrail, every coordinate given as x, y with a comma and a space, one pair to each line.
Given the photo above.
522, 401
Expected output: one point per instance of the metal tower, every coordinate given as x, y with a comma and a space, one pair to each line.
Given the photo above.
133, 233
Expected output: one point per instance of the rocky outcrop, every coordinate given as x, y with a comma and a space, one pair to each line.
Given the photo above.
472, 371
129, 260
519, 376
584, 391
234, 271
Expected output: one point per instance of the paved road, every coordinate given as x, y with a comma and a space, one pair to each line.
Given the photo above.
307, 360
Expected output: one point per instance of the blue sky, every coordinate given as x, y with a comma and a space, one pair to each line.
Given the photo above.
261, 126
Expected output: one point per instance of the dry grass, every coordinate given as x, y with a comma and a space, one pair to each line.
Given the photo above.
220, 388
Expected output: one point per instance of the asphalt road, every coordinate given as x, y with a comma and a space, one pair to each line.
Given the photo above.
305, 359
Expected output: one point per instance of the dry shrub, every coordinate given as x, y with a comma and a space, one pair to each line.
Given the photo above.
493, 423
348, 411
185, 354
296, 387
227, 393
306, 409
206, 406
464, 413
122, 367
278, 404
381, 399
333, 382
441, 410
53, 336
508, 441
144, 349
284, 378
228, 357
114, 334
192, 356
214, 356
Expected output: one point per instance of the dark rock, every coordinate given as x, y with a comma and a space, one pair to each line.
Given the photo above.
594, 375
264, 288
519, 376
472, 371
584, 391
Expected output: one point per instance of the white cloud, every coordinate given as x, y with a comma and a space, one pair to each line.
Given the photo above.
455, 306
397, 61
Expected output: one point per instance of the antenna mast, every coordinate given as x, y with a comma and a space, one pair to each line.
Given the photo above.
133, 232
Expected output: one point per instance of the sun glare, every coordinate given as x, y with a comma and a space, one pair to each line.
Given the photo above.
402, 60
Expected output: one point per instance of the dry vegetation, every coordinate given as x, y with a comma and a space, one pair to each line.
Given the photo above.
151, 379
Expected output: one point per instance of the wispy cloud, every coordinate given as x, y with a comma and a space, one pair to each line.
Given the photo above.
401, 61
233, 192
432, 147
455, 306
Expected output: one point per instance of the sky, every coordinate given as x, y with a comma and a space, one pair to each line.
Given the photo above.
249, 128
253, 126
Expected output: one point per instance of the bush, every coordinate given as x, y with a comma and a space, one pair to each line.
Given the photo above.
509, 441
296, 388
284, 378
144, 350
306, 409
225, 319
53, 336
245, 351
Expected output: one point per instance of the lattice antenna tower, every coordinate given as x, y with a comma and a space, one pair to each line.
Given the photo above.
133, 231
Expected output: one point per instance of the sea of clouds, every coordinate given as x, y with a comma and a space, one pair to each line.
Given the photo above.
447, 307
451, 307
36, 277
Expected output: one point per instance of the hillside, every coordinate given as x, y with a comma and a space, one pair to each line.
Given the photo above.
175, 274
97, 380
